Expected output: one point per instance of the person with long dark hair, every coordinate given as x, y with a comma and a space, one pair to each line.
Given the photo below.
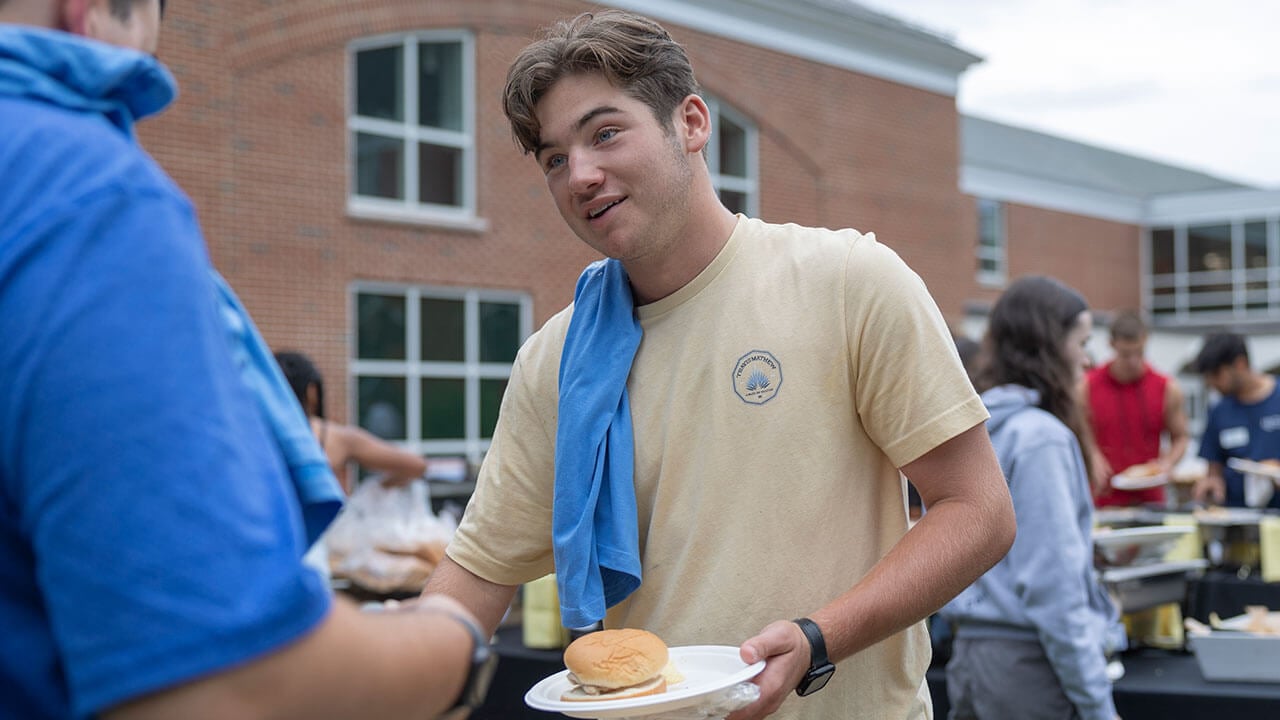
1031, 633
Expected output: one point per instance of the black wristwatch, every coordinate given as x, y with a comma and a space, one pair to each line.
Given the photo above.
820, 667
483, 663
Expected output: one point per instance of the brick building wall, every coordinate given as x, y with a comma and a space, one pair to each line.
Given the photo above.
258, 139
1100, 258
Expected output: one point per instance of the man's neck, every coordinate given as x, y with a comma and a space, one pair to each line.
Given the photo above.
655, 279
1111, 370
1257, 387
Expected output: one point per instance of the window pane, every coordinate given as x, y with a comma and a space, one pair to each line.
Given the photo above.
733, 148
989, 230
439, 174
381, 403
444, 403
378, 83
379, 166
490, 401
1162, 251
735, 201
499, 332
1209, 248
443, 330
1255, 245
440, 85
380, 327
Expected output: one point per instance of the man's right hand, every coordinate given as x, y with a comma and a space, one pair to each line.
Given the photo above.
1210, 489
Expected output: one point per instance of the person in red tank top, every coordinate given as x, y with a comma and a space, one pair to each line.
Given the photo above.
1130, 406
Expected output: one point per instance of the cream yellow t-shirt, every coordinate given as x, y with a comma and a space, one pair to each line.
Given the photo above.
773, 400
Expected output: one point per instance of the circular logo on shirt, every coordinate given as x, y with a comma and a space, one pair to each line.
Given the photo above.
757, 377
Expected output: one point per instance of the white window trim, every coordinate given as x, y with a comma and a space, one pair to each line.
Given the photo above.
750, 185
413, 369
409, 209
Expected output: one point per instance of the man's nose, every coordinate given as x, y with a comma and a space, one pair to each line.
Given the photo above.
584, 173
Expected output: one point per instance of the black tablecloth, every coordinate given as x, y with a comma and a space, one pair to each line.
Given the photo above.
1226, 594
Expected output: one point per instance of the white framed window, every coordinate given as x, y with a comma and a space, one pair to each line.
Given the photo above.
1226, 269
992, 253
733, 158
430, 364
411, 128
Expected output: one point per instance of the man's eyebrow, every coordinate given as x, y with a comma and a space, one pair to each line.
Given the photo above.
587, 117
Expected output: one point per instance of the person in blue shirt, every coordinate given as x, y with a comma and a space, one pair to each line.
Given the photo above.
1245, 423
152, 519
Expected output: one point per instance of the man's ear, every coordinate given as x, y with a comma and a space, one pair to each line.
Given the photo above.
74, 16
693, 123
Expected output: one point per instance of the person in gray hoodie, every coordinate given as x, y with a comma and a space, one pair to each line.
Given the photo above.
1031, 634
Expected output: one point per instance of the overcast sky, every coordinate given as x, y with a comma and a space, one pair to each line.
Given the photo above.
1188, 82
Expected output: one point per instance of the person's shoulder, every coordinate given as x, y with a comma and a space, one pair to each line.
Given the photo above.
64, 155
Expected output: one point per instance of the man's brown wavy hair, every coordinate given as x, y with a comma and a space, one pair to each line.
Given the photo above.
633, 53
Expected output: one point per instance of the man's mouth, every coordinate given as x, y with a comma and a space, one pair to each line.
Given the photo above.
593, 214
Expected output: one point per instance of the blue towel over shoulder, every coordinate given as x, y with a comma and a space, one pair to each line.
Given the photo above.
319, 495
594, 524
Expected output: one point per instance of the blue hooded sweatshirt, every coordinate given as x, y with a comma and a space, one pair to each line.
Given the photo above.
1045, 588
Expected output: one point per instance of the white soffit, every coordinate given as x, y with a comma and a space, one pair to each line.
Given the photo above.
1213, 206
1017, 188
885, 50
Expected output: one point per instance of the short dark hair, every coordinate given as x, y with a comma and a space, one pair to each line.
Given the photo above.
1220, 350
1128, 325
634, 53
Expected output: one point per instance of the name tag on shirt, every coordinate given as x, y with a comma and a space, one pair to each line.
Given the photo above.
1232, 438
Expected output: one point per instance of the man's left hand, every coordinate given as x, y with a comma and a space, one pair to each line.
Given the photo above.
785, 650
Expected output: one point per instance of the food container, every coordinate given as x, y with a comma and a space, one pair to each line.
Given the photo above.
1124, 547
1126, 517
1231, 536
1231, 654
1140, 587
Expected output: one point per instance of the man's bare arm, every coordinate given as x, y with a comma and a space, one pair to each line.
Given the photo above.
409, 664
488, 601
1175, 423
967, 527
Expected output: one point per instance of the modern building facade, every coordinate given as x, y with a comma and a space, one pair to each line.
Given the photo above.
360, 189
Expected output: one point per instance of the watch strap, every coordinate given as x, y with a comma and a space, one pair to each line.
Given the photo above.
817, 644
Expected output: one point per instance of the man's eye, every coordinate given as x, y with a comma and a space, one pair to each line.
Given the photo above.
606, 134
555, 161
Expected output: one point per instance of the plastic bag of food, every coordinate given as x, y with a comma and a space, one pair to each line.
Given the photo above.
387, 540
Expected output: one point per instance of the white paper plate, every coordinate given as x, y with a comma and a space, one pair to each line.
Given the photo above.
1254, 468
706, 669
1228, 516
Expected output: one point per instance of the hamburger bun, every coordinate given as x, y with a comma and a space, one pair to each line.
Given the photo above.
615, 664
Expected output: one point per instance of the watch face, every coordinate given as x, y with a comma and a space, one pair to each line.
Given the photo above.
815, 679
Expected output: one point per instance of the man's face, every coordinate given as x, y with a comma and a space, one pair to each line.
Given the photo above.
1228, 380
1127, 365
619, 179
141, 31
1074, 345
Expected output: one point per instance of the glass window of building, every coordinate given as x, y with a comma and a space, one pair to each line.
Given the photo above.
1215, 270
432, 364
992, 262
411, 127
732, 158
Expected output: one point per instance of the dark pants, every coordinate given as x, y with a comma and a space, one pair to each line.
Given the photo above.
998, 679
